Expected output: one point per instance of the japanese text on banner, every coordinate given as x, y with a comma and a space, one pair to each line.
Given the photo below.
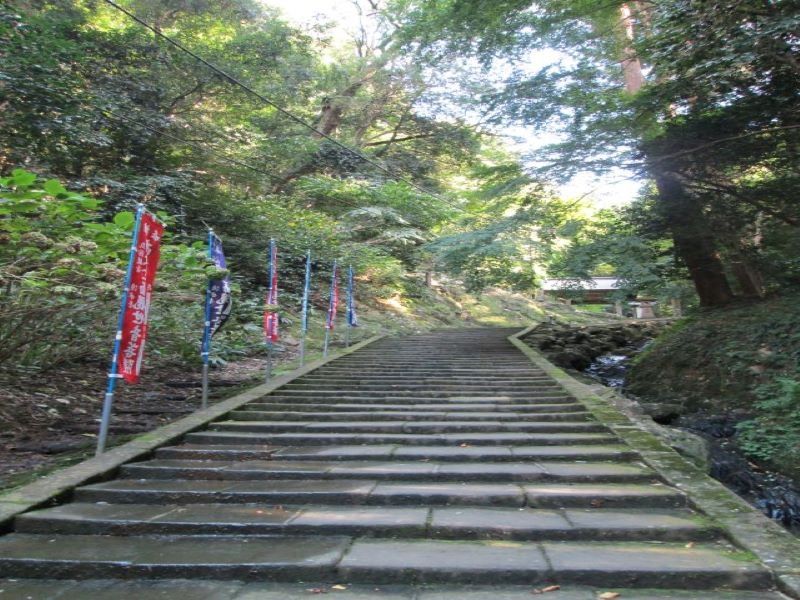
137, 308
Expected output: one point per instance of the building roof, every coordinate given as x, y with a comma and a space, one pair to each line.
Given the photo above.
600, 284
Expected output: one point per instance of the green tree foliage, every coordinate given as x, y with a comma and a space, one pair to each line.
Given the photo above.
94, 100
700, 96
510, 232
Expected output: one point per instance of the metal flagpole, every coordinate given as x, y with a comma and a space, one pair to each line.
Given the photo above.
304, 309
270, 292
331, 316
108, 401
206, 347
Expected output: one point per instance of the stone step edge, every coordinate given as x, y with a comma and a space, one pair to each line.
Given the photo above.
382, 493
489, 454
424, 525
365, 560
229, 590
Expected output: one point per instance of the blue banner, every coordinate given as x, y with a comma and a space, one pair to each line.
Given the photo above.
218, 295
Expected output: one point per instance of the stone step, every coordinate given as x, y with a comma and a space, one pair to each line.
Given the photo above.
150, 589
437, 372
286, 392
498, 409
599, 563
408, 426
549, 471
423, 389
246, 413
400, 366
396, 398
430, 364
366, 560
393, 378
356, 384
493, 454
374, 492
441, 458
409, 439
531, 524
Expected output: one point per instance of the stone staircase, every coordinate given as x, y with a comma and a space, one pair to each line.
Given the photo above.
427, 460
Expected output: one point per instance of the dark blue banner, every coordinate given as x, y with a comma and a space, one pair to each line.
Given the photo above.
219, 300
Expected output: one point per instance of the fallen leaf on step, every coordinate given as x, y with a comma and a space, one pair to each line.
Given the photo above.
338, 586
609, 596
690, 545
317, 591
549, 588
503, 544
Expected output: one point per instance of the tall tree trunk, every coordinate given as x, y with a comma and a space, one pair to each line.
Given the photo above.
690, 232
693, 241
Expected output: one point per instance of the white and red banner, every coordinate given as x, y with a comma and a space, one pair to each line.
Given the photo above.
271, 316
140, 292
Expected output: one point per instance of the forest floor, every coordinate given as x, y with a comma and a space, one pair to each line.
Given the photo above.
49, 419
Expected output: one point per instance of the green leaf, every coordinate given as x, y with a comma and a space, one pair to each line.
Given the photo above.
54, 187
125, 219
21, 177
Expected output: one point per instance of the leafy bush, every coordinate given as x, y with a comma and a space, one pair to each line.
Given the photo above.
774, 435
61, 273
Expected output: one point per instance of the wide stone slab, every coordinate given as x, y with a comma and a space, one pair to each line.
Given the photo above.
178, 589
447, 493
337, 452
108, 589
602, 495
211, 491
169, 556
393, 415
457, 439
543, 524
429, 561
407, 426
426, 408
655, 565
362, 520
144, 519
396, 469
445, 523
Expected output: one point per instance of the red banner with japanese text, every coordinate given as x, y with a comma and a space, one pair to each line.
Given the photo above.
140, 291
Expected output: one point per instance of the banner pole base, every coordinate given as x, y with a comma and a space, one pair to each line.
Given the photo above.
303, 350
269, 363
205, 386
325, 347
105, 420
347, 337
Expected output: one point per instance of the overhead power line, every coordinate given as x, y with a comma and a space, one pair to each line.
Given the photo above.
214, 152
230, 78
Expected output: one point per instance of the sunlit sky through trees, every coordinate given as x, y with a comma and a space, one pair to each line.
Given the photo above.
611, 189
